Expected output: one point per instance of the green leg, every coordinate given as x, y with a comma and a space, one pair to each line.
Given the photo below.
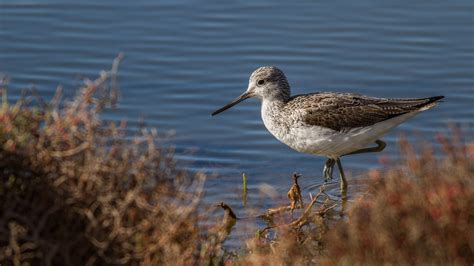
328, 167
343, 177
380, 146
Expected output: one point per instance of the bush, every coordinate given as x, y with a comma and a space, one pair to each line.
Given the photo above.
75, 191
418, 214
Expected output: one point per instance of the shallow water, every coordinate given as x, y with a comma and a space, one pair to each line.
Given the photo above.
185, 60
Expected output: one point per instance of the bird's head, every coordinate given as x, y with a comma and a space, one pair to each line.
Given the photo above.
265, 83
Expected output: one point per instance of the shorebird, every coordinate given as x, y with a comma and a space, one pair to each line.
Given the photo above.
328, 124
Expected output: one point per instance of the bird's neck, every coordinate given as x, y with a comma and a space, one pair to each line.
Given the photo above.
273, 104
272, 111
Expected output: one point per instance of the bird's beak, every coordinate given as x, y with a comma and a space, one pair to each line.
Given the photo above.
237, 100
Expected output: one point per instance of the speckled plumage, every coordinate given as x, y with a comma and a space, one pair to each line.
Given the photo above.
335, 124
343, 111
326, 123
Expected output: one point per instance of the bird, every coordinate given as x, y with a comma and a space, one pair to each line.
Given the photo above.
329, 124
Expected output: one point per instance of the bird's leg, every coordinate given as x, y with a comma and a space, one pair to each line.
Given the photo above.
343, 177
328, 167
380, 146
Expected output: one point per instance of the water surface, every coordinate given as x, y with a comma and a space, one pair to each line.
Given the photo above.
185, 60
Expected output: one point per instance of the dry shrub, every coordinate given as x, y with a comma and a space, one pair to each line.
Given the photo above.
418, 214
75, 190
289, 239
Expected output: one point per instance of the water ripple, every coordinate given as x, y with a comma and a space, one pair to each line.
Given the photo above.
184, 60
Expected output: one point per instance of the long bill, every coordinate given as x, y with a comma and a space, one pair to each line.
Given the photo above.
237, 100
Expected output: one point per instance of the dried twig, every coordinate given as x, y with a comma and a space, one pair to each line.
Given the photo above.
294, 194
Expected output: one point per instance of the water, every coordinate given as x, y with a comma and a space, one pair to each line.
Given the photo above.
185, 60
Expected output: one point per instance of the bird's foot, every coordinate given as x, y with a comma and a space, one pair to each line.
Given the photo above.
328, 168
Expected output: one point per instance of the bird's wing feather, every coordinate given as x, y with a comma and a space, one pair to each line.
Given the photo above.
340, 111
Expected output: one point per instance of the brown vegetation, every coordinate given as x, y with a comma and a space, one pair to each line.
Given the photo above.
76, 190
415, 215
419, 213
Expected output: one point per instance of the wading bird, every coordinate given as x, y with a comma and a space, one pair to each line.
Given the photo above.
327, 123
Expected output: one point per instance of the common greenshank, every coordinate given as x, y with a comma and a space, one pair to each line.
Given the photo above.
327, 123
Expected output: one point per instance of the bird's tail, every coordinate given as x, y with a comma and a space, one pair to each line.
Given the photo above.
430, 102
401, 106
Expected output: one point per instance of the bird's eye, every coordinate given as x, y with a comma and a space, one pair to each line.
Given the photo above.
261, 82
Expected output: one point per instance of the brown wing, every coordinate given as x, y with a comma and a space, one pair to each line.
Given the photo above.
339, 111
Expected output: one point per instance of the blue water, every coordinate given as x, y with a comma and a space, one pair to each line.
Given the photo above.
184, 60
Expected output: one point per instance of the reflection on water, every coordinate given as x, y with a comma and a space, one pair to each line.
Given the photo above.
184, 60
